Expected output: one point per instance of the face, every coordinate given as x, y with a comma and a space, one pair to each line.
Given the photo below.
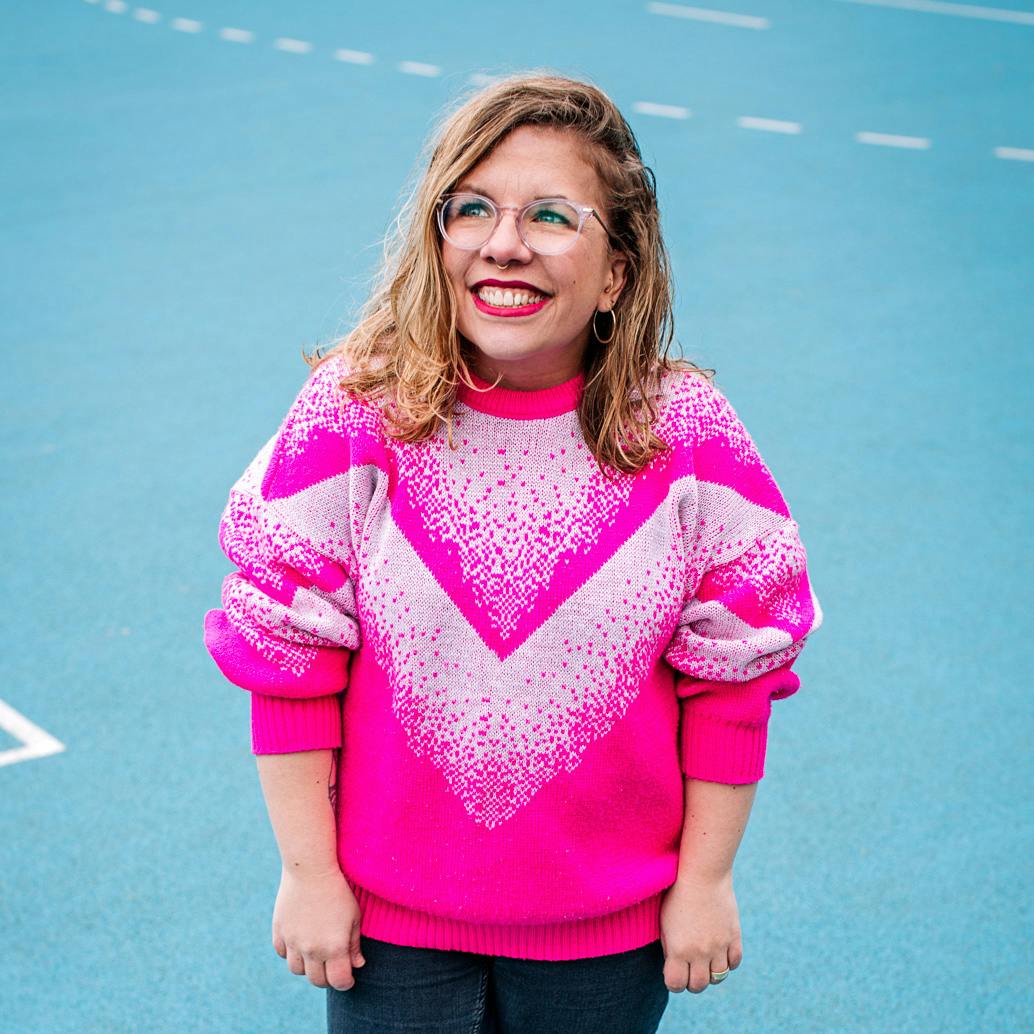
543, 347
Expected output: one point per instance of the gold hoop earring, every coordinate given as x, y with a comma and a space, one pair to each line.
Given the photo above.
613, 328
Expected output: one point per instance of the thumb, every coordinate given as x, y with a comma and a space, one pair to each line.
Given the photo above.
356, 950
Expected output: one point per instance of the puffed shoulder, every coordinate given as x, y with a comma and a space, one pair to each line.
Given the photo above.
692, 408
326, 430
323, 405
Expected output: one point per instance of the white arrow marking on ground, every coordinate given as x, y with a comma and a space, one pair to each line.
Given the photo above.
36, 743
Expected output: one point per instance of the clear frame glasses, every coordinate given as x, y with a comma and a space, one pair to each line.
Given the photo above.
548, 226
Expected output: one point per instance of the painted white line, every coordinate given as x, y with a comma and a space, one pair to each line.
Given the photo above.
36, 743
663, 110
991, 14
354, 57
185, 25
232, 35
116, 6
292, 46
702, 14
918, 143
772, 125
419, 68
1016, 154
145, 14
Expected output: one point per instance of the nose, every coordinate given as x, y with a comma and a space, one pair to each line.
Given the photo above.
505, 244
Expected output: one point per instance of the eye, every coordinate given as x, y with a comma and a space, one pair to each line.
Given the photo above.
473, 209
550, 214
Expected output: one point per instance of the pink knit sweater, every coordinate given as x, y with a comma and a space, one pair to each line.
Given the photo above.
519, 659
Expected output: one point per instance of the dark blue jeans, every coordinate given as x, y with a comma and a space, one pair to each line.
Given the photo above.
432, 991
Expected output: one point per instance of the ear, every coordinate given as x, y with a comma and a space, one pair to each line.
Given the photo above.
617, 265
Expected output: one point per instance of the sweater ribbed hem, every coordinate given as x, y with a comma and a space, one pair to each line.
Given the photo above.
538, 404
629, 928
284, 725
720, 751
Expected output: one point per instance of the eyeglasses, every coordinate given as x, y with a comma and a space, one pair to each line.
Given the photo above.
548, 226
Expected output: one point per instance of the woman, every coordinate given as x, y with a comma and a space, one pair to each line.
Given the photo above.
531, 584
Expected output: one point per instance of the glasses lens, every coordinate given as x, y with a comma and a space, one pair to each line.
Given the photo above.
550, 227
467, 220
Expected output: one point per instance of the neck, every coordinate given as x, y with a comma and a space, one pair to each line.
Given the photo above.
528, 374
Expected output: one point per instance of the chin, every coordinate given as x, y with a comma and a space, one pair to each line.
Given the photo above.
501, 345
508, 352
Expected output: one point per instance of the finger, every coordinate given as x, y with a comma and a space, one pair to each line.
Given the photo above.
735, 953
676, 974
279, 946
295, 962
355, 948
316, 971
339, 974
699, 975
719, 964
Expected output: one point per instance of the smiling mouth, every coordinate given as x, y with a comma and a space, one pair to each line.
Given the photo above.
494, 301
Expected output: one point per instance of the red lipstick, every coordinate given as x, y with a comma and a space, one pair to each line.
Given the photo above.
514, 284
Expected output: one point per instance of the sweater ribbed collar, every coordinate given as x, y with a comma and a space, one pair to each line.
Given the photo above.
522, 405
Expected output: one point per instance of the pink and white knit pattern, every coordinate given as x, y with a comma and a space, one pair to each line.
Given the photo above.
499, 618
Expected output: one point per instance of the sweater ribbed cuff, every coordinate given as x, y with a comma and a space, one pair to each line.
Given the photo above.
284, 725
720, 751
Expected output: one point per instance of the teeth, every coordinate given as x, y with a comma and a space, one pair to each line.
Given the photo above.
503, 299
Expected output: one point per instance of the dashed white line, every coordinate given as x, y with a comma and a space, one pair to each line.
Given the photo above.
1015, 154
662, 110
292, 46
703, 14
917, 143
355, 57
36, 743
992, 14
237, 35
772, 125
419, 68
362, 57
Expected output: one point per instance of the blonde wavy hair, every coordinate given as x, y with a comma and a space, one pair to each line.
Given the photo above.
405, 349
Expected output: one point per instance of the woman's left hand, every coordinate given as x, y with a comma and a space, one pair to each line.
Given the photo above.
700, 931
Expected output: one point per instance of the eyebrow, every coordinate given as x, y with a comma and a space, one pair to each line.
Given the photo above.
470, 188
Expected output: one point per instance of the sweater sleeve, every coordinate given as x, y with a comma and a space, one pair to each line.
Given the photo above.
749, 613
288, 622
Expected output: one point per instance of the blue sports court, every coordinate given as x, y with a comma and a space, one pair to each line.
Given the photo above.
194, 192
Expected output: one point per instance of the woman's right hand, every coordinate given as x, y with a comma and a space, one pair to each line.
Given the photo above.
316, 928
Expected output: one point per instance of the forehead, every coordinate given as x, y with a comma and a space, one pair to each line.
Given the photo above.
535, 161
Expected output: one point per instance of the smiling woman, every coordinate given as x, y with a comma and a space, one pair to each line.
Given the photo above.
574, 271
535, 583
594, 256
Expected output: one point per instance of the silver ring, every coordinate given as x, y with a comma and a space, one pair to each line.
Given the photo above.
717, 978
